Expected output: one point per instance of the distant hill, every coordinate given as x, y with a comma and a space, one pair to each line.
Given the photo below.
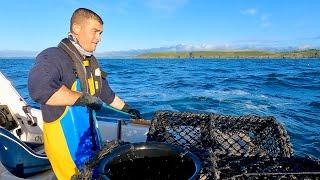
310, 53
190, 48
17, 54
185, 52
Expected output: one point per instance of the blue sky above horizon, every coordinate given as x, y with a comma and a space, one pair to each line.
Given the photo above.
143, 24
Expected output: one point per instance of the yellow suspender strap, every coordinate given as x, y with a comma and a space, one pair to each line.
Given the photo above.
92, 89
93, 85
86, 63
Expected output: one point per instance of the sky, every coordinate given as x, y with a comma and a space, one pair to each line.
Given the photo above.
33, 25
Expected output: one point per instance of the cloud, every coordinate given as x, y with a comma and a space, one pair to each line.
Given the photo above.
250, 11
310, 38
259, 42
264, 17
304, 47
167, 6
264, 20
266, 24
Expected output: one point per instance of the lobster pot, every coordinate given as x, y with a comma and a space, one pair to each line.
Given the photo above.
249, 147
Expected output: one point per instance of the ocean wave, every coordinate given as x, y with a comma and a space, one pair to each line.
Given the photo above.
238, 92
315, 105
260, 107
232, 80
177, 84
274, 81
309, 74
274, 75
217, 70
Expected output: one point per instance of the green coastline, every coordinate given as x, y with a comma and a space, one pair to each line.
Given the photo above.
308, 54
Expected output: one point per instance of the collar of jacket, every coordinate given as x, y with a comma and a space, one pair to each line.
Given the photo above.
76, 44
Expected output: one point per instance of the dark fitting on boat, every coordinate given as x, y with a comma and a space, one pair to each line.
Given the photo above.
151, 160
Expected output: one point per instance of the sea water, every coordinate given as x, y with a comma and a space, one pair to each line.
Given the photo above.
288, 89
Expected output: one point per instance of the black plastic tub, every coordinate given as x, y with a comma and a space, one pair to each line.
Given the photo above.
151, 160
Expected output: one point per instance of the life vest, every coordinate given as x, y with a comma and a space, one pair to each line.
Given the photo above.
72, 139
87, 85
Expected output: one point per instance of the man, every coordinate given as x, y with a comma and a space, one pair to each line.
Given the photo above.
69, 84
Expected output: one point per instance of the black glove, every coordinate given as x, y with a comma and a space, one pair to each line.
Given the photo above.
134, 114
92, 102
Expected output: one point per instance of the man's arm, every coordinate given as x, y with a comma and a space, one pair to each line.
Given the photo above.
63, 97
121, 105
66, 97
109, 97
117, 103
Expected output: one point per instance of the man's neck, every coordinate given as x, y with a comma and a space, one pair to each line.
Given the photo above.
76, 43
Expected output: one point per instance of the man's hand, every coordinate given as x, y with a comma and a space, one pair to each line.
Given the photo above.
134, 113
92, 102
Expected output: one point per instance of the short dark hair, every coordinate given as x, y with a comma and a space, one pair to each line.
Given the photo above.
81, 14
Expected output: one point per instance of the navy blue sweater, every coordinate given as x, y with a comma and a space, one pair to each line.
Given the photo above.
53, 68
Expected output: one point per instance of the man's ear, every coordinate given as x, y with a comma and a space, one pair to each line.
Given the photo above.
76, 28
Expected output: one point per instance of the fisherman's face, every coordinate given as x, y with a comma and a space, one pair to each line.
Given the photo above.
88, 34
